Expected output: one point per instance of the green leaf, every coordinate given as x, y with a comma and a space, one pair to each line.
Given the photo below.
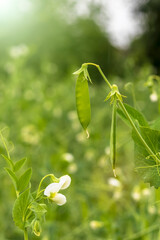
146, 165
156, 124
134, 114
19, 164
13, 177
8, 160
24, 180
83, 101
38, 209
20, 209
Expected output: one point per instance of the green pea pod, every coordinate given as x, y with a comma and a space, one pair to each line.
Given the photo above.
83, 101
113, 136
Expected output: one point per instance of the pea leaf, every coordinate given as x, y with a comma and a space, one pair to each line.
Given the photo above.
38, 209
146, 165
8, 160
13, 177
20, 209
156, 124
19, 164
24, 180
134, 114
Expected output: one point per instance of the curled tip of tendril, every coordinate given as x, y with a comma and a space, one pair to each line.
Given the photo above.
87, 133
114, 172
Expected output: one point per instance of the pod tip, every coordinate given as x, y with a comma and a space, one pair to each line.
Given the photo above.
87, 133
114, 172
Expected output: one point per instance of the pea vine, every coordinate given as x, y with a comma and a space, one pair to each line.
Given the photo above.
146, 137
30, 208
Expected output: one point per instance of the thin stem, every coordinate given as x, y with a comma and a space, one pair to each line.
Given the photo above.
48, 175
137, 132
143, 232
25, 234
101, 72
5, 145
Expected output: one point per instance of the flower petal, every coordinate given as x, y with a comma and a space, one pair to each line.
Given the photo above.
52, 188
60, 199
65, 181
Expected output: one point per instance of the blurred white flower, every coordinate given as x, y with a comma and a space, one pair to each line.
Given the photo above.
114, 182
80, 137
154, 97
18, 51
29, 134
107, 150
146, 192
117, 195
52, 190
136, 196
72, 115
136, 193
96, 224
57, 112
102, 162
72, 168
152, 209
90, 154
75, 125
47, 105
68, 157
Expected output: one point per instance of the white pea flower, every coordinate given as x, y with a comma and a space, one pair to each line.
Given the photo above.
154, 97
114, 182
68, 157
52, 190
18, 51
136, 194
65, 181
96, 224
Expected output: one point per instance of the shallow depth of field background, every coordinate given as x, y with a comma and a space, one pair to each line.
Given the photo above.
41, 44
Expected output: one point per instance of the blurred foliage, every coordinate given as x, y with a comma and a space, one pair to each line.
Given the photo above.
147, 47
39, 51
58, 38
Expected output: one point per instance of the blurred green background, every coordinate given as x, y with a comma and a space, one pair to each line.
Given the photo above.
41, 44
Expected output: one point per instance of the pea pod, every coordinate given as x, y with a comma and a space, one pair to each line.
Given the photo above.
83, 101
113, 136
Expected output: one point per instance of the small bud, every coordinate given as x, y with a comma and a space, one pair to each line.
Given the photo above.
37, 228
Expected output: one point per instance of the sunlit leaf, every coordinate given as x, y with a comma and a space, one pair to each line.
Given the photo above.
146, 165
8, 160
12, 176
38, 209
20, 209
134, 114
24, 180
19, 164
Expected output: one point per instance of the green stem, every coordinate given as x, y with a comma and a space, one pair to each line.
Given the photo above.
113, 136
48, 175
101, 72
137, 132
5, 145
25, 234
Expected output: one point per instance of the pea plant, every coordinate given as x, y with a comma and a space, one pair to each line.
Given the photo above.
30, 207
146, 136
